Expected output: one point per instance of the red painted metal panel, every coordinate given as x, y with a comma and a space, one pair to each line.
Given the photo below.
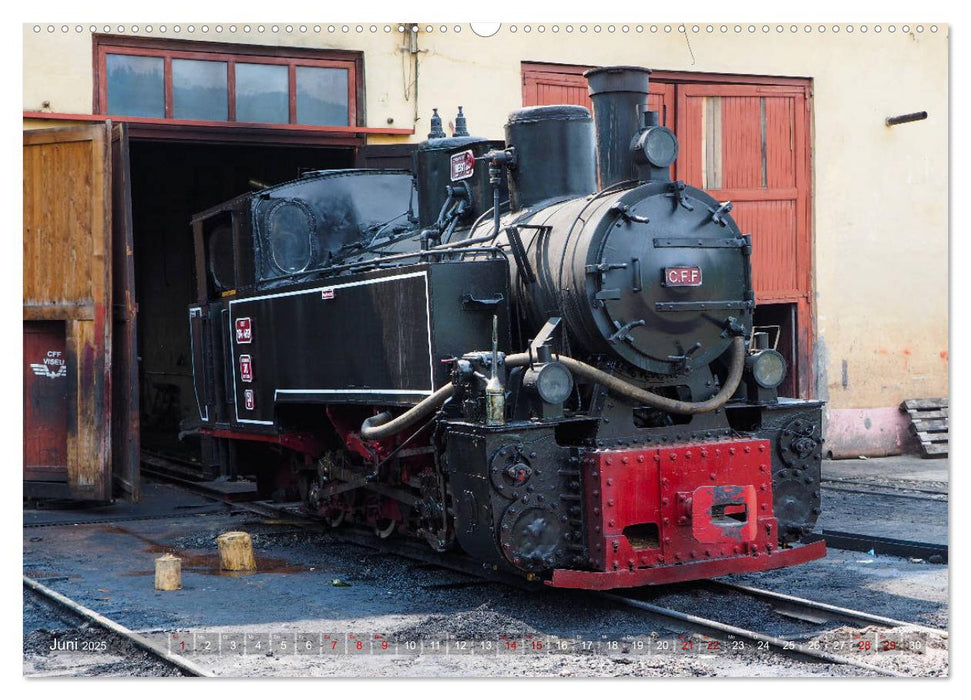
681, 512
690, 571
681, 503
46, 385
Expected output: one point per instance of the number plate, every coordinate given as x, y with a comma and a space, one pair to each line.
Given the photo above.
246, 368
244, 330
463, 165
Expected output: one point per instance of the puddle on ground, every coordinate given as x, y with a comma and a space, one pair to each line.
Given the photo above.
203, 563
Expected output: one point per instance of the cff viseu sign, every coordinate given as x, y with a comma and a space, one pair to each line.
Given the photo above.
52, 367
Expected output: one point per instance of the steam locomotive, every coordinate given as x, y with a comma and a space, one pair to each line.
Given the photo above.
494, 352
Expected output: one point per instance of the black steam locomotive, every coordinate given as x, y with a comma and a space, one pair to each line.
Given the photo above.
493, 351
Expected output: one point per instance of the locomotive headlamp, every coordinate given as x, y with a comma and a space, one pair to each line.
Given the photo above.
553, 382
658, 146
768, 368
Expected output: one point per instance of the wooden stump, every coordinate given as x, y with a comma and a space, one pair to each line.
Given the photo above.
168, 573
236, 552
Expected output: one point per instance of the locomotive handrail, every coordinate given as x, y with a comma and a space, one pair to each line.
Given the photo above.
383, 426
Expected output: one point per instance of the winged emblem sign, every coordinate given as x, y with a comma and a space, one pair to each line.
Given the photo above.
51, 371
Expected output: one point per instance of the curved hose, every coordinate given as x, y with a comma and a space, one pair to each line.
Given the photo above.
382, 425
618, 386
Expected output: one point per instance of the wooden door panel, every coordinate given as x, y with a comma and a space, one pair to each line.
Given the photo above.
740, 143
771, 224
780, 143
125, 444
749, 144
67, 260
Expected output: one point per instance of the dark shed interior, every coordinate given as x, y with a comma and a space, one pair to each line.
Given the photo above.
170, 182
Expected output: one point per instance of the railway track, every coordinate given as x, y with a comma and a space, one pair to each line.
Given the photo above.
151, 647
816, 611
938, 488
679, 620
884, 490
932, 552
786, 605
762, 641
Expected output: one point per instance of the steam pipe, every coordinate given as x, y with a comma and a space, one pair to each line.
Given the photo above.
382, 425
618, 386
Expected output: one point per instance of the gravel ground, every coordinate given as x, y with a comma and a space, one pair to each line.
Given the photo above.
313, 583
98, 653
905, 650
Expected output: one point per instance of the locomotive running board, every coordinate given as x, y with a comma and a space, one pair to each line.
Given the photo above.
675, 573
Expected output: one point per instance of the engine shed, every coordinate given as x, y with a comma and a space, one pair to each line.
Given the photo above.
127, 137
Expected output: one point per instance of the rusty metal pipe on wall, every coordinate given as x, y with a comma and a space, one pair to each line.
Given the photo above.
906, 118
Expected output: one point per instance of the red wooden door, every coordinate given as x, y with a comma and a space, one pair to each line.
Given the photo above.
565, 85
744, 143
749, 144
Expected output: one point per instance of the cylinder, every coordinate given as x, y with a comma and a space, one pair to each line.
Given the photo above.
236, 551
618, 94
168, 573
554, 154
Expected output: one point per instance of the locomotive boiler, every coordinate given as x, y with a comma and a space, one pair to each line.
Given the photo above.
539, 350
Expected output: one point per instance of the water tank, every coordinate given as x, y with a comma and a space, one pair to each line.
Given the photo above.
555, 154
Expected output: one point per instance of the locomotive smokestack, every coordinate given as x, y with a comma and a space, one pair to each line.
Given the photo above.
619, 95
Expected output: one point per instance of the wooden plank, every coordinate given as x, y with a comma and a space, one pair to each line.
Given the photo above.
124, 365
936, 450
919, 404
59, 312
59, 208
928, 414
930, 426
933, 437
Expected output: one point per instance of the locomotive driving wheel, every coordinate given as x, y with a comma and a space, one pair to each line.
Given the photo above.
434, 523
336, 519
385, 527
